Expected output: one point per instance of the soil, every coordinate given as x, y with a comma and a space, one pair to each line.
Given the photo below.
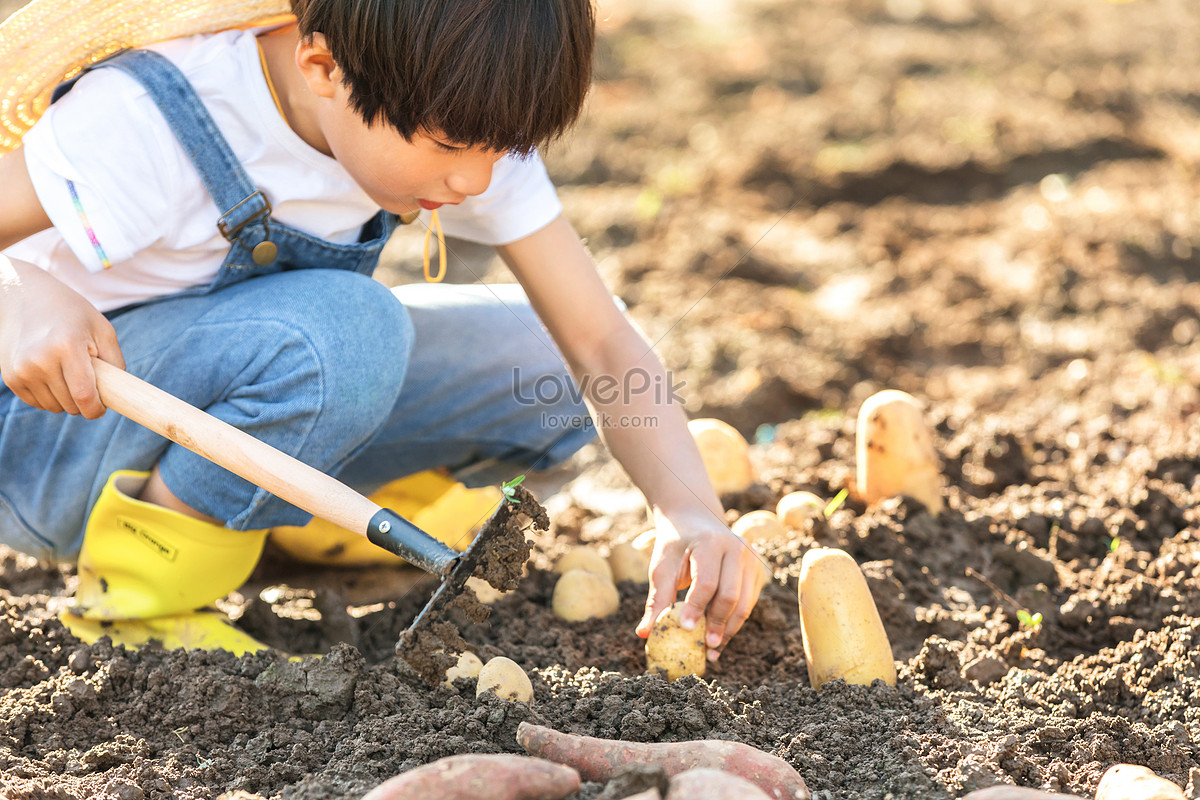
991, 204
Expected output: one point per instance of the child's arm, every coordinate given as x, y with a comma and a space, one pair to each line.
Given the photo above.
625, 382
48, 331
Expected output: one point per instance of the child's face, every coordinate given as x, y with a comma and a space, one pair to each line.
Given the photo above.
402, 176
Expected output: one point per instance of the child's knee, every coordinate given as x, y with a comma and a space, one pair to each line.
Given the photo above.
359, 335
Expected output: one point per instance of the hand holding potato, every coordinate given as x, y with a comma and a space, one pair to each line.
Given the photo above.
724, 574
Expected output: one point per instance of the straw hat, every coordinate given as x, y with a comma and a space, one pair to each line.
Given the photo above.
49, 41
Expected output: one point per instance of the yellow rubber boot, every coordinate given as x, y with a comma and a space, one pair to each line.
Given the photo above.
435, 503
144, 570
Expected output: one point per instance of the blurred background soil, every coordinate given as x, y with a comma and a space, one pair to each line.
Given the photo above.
991, 204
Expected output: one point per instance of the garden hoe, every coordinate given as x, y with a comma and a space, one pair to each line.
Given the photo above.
303, 486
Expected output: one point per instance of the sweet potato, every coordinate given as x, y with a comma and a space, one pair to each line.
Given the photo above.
601, 759
1017, 793
712, 784
471, 777
1133, 782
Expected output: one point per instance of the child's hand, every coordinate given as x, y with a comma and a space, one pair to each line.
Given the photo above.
48, 334
724, 572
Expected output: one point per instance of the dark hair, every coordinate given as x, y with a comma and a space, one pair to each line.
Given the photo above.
507, 75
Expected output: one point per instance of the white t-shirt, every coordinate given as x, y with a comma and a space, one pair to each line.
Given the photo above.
132, 218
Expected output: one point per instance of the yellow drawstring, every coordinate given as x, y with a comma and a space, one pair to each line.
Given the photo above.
435, 224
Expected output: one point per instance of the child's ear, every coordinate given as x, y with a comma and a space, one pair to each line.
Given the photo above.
316, 64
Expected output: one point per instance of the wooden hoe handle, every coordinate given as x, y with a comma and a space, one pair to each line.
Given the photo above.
235, 450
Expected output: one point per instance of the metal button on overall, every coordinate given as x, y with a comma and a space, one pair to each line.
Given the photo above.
264, 253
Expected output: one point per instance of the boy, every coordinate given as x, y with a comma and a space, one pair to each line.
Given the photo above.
205, 212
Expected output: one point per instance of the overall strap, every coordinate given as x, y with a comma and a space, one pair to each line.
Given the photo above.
236, 197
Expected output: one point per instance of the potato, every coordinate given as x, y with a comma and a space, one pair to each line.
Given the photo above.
760, 527
795, 508
895, 453
644, 542
587, 559
725, 453
1133, 782
581, 595
468, 666
484, 591
673, 650
504, 678
630, 563
843, 635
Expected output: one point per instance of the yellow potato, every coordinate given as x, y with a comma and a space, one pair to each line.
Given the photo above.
630, 563
895, 452
1133, 782
725, 453
843, 635
504, 678
795, 508
468, 666
587, 559
644, 542
673, 650
484, 591
760, 527
581, 595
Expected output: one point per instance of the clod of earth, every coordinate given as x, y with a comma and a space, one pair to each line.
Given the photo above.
843, 634
894, 451
712, 784
602, 759
472, 777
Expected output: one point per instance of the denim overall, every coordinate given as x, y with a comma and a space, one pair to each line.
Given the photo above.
294, 343
258, 244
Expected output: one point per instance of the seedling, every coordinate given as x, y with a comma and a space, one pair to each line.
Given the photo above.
509, 488
836, 503
1028, 620
1115, 544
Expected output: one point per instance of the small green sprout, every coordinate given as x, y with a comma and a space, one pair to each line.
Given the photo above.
835, 503
1114, 544
509, 488
1028, 620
